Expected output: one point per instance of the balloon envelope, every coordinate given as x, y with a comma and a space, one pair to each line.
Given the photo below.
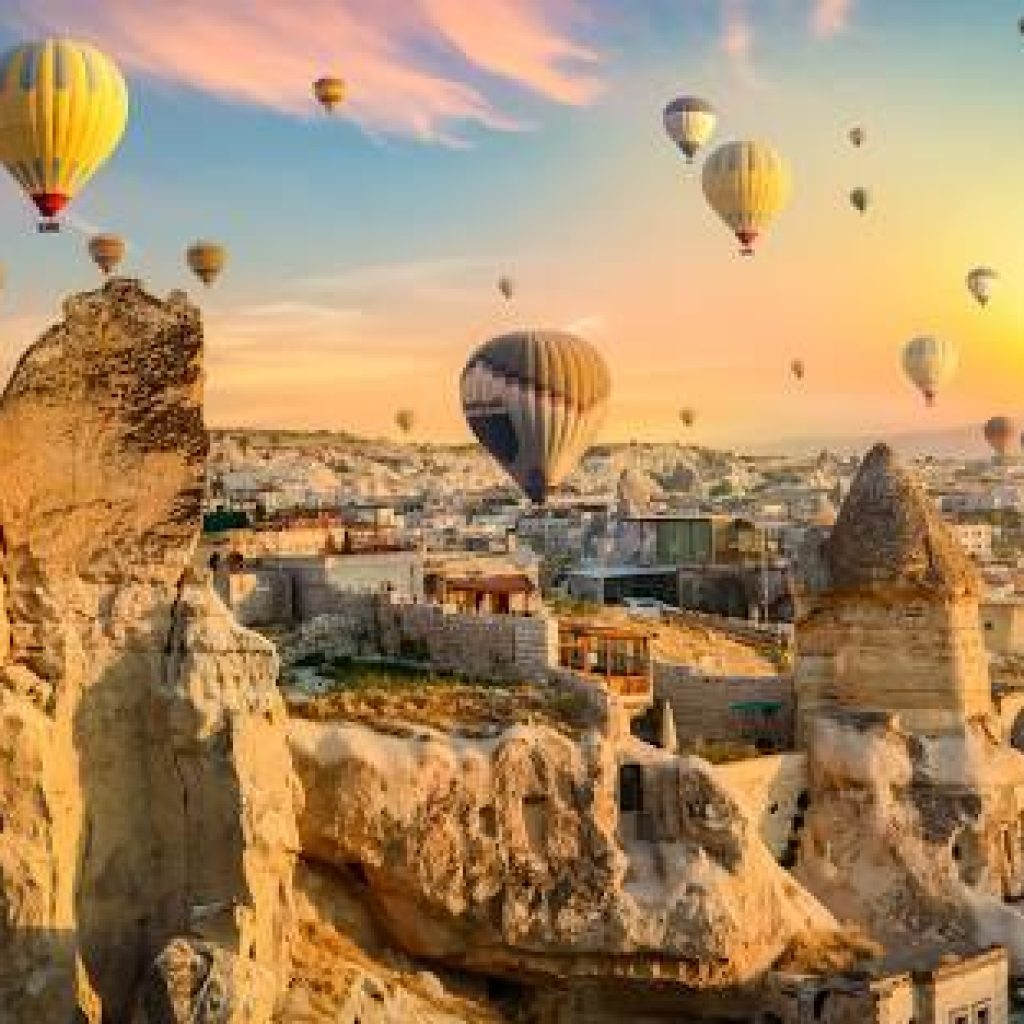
930, 362
106, 251
506, 286
748, 185
860, 199
687, 416
406, 419
206, 260
981, 282
63, 110
797, 368
1000, 432
857, 135
690, 123
329, 92
534, 399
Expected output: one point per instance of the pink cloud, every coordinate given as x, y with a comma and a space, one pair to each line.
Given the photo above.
737, 38
515, 39
267, 52
830, 16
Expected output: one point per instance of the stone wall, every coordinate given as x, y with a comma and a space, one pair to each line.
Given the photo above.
258, 598
487, 646
702, 704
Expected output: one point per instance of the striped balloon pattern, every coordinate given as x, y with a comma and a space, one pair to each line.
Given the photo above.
690, 123
63, 110
747, 184
535, 400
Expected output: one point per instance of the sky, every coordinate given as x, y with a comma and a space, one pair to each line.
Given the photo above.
524, 137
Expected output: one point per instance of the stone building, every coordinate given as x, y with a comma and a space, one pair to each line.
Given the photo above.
887, 617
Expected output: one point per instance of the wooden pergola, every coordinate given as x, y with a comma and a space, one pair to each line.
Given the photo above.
616, 655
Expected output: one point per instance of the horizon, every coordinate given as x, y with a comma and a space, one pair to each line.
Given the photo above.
365, 249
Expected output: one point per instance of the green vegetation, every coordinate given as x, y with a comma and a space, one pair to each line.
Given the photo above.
395, 696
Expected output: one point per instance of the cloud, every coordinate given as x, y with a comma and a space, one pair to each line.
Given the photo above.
737, 39
514, 39
830, 16
413, 67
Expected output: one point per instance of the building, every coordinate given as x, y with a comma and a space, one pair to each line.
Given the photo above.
975, 539
1002, 621
696, 540
613, 584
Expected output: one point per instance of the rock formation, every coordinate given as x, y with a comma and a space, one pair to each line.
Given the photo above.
916, 824
511, 856
145, 786
888, 610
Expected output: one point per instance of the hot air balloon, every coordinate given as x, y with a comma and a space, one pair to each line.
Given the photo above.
797, 368
1000, 432
329, 93
929, 362
860, 199
690, 123
857, 135
688, 416
63, 109
534, 399
507, 287
1020, 26
106, 251
406, 420
206, 260
982, 282
747, 184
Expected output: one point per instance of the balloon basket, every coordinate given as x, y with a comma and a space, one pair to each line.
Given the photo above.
48, 227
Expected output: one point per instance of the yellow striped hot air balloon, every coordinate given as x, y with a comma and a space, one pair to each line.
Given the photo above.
63, 110
747, 184
534, 399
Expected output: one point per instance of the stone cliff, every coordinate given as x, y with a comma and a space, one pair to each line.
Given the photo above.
145, 785
511, 856
887, 617
916, 823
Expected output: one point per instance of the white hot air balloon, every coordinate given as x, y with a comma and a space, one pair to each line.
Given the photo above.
930, 362
690, 123
982, 282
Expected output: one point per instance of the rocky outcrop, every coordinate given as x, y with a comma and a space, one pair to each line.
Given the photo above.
887, 611
918, 839
145, 787
510, 856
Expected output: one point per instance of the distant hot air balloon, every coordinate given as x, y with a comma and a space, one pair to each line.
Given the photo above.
534, 399
507, 287
929, 362
206, 260
981, 282
857, 135
63, 110
747, 184
406, 420
797, 368
690, 123
106, 251
1000, 432
860, 199
1020, 26
688, 416
329, 92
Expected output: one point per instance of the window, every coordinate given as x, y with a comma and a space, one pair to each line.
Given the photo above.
983, 1012
960, 1016
631, 788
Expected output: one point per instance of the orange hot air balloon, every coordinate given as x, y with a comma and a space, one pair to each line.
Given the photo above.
106, 251
206, 260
